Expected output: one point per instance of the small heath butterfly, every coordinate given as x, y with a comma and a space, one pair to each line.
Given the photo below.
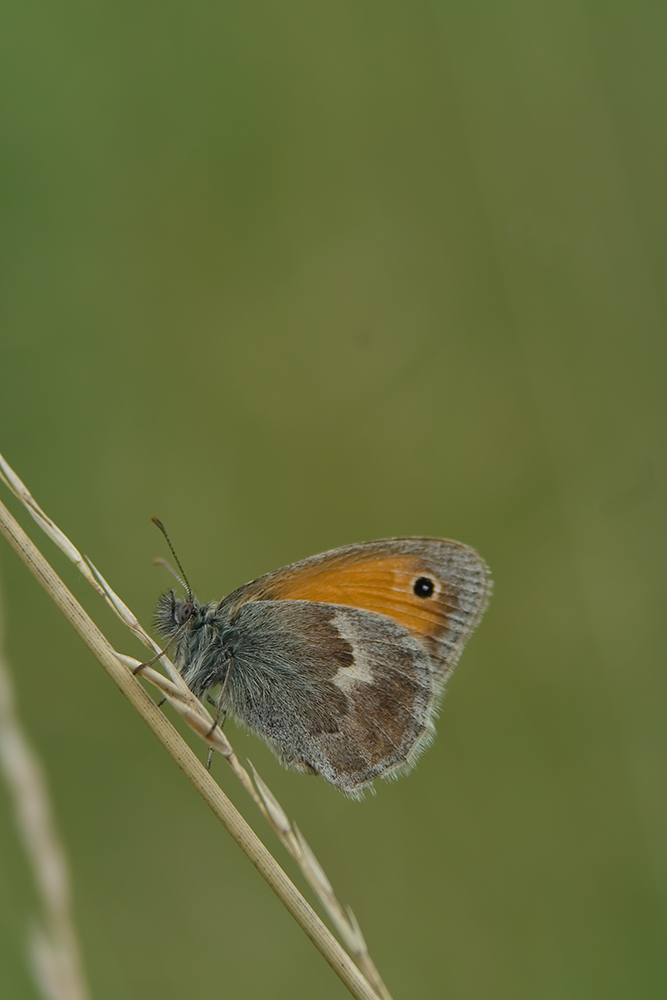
338, 661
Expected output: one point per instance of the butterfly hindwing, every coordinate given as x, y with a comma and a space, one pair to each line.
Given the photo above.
332, 689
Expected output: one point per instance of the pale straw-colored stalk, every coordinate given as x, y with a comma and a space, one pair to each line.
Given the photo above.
53, 946
366, 983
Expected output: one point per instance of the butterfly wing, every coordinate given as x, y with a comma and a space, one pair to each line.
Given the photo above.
435, 588
338, 660
339, 691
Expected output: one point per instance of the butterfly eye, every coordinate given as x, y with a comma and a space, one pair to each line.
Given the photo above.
184, 611
423, 587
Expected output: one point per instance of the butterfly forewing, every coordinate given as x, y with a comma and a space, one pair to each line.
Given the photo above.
385, 577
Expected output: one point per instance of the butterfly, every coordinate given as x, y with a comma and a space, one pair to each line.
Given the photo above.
338, 661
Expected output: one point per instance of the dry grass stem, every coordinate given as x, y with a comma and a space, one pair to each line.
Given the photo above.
200, 721
343, 920
54, 948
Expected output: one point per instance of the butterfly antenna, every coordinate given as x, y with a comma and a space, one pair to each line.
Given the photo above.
163, 562
184, 582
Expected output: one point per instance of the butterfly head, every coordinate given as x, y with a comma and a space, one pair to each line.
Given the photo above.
172, 614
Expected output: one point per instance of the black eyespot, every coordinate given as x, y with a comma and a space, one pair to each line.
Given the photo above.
424, 587
184, 611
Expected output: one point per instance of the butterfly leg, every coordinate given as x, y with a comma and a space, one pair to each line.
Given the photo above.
219, 712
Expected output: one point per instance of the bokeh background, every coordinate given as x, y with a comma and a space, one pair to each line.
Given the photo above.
296, 275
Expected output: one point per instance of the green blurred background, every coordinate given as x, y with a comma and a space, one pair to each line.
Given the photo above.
296, 275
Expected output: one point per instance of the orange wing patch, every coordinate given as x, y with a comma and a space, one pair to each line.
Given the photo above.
384, 585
